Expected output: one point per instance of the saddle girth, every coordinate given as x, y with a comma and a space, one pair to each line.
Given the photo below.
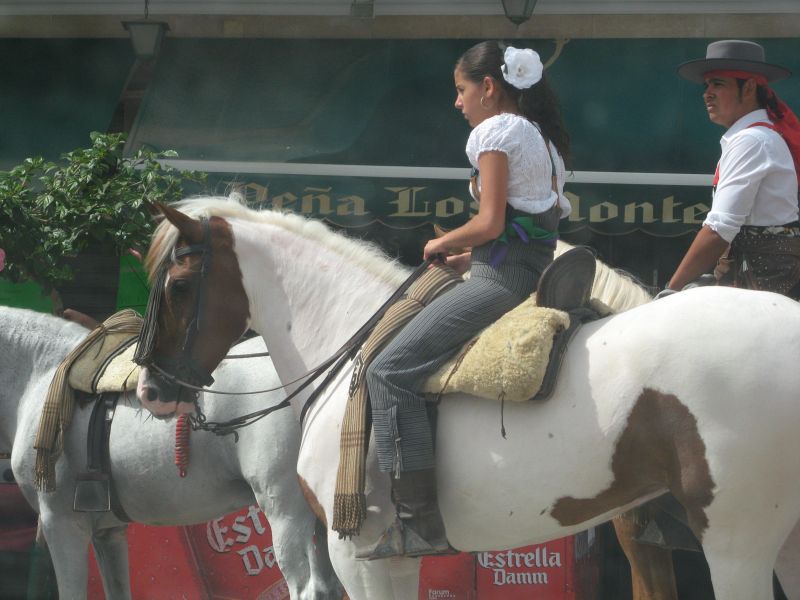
94, 488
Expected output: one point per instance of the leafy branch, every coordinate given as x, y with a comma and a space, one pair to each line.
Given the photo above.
92, 197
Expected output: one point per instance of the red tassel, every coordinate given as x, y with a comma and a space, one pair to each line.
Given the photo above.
182, 430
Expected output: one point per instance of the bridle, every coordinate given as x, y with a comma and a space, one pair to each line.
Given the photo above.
183, 367
185, 373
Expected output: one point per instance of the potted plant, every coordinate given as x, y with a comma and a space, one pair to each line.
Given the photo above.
61, 221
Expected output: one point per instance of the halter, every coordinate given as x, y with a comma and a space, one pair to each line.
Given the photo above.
183, 368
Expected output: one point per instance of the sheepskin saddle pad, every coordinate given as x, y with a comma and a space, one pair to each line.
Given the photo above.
508, 360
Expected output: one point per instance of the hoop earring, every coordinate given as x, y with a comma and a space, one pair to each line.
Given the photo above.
482, 100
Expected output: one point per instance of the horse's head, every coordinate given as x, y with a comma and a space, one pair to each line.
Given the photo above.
197, 308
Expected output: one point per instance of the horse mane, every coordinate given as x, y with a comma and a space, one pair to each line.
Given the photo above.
367, 255
618, 290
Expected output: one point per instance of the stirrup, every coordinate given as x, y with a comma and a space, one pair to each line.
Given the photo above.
668, 527
389, 544
416, 546
401, 540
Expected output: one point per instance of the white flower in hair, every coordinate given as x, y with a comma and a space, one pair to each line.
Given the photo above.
522, 68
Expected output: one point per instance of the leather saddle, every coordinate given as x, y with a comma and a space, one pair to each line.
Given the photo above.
566, 284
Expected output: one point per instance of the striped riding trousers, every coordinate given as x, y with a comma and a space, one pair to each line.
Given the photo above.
403, 437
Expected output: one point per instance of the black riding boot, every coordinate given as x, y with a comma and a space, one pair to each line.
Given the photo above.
418, 529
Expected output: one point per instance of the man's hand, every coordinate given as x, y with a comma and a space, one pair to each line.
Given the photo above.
701, 257
664, 293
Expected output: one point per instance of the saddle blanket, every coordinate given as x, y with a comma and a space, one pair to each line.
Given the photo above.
82, 369
107, 368
508, 360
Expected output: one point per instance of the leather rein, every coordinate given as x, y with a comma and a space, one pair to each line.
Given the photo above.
186, 374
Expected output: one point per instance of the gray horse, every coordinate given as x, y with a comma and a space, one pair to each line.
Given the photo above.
223, 476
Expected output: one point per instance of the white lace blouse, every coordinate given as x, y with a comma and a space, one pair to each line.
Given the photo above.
529, 166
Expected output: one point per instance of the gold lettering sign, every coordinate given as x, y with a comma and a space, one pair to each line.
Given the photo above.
351, 206
316, 203
647, 212
690, 213
449, 207
668, 210
414, 202
605, 211
283, 201
575, 202
406, 202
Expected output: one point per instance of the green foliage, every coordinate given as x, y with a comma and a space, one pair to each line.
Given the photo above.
92, 198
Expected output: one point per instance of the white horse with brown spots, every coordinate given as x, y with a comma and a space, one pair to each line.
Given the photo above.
697, 394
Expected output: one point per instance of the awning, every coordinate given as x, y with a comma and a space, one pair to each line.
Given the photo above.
55, 92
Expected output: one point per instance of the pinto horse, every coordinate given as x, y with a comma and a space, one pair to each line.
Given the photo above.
222, 476
695, 394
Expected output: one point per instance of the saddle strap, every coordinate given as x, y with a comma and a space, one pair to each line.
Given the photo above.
577, 318
350, 508
98, 454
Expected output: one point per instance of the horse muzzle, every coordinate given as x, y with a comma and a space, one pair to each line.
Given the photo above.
162, 397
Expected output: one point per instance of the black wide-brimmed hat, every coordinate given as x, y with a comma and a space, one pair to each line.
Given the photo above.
732, 55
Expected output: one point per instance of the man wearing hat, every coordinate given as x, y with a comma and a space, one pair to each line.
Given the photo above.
751, 234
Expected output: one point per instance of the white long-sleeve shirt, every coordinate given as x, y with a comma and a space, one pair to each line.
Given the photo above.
757, 179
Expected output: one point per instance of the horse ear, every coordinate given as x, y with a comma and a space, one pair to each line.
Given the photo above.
154, 208
190, 228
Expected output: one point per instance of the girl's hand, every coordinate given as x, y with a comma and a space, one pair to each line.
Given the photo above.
460, 263
434, 247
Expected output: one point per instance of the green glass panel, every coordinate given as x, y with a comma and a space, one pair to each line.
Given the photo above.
390, 102
24, 295
132, 292
56, 91
133, 287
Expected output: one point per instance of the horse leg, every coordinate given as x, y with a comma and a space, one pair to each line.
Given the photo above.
305, 564
41, 576
741, 552
652, 573
312, 578
111, 551
738, 576
394, 578
404, 573
786, 565
68, 540
324, 566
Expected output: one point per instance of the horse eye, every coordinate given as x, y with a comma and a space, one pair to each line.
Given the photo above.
180, 286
